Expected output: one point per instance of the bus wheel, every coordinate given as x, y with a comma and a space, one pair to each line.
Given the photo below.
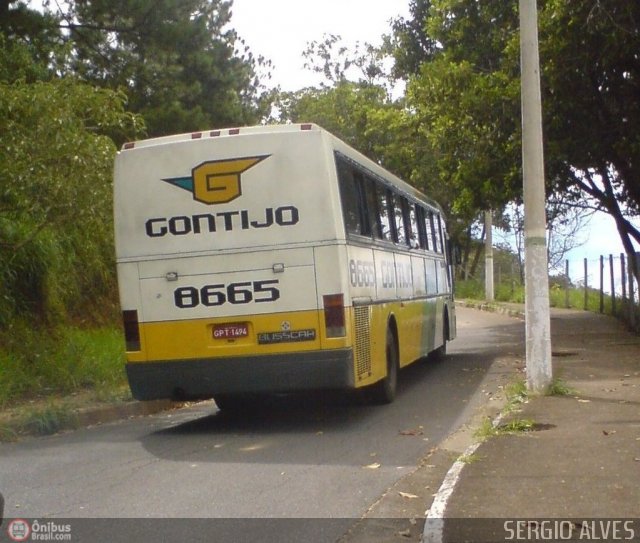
384, 392
441, 351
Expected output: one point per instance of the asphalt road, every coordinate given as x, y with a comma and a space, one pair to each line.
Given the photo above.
309, 457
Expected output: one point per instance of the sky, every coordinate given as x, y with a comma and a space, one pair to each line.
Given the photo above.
280, 30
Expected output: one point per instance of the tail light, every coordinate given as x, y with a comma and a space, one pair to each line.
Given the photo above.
131, 329
334, 319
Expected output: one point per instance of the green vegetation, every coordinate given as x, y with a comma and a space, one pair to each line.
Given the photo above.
48, 420
559, 388
42, 362
515, 426
473, 289
516, 394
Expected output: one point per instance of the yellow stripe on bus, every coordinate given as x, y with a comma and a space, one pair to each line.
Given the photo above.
194, 339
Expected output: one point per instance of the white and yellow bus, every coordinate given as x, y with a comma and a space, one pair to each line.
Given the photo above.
273, 259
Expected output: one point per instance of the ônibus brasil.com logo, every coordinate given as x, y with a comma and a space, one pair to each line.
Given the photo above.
22, 530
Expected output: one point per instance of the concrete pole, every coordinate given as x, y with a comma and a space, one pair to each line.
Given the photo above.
538, 325
488, 257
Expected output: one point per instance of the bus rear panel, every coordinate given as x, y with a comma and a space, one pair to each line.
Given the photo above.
237, 275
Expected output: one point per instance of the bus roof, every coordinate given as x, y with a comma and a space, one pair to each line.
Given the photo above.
378, 170
223, 132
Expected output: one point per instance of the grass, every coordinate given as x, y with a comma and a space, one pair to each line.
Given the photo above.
468, 458
473, 289
48, 420
516, 394
515, 426
559, 388
36, 363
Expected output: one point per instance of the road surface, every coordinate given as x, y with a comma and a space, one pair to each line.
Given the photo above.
322, 456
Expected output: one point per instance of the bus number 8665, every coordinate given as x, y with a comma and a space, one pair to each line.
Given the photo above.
234, 293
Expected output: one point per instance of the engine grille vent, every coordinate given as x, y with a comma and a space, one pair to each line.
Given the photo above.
363, 342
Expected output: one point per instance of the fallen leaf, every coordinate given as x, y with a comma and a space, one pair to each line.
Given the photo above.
411, 432
375, 465
408, 496
405, 533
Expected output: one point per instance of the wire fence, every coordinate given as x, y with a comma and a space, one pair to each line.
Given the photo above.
607, 285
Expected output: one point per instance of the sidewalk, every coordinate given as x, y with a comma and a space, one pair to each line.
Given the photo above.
581, 461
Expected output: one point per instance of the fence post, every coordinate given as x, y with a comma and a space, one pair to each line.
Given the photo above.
632, 297
513, 280
586, 287
613, 286
567, 284
601, 284
623, 273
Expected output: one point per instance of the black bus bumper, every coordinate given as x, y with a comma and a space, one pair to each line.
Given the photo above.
204, 378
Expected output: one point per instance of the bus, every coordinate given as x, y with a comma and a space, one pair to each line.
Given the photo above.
273, 259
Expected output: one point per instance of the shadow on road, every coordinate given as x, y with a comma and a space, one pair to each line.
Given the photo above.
329, 426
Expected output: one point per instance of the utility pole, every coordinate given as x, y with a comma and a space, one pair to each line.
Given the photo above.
488, 257
538, 324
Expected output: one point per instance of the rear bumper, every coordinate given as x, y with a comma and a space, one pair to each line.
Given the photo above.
204, 378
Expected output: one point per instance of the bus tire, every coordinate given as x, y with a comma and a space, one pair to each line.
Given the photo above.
441, 352
384, 392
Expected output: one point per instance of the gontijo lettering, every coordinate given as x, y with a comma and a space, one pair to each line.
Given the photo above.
182, 225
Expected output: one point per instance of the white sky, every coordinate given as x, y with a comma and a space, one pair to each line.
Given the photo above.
280, 30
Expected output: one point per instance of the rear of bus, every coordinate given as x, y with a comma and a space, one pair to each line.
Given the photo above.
220, 238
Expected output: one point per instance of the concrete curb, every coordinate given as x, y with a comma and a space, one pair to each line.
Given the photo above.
90, 416
134, 408
493, 307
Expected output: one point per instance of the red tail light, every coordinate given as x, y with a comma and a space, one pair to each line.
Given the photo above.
334, 319
131, 330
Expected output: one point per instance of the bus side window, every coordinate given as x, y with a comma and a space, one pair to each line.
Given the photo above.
398, 214
373, 213
414, 235
365, 223
428, 223
437, 232
422, 229
384, 206
349, 195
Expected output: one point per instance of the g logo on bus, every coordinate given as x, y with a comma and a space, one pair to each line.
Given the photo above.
216, 181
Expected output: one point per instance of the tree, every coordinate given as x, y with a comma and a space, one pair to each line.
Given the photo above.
37, 34
180, 65
56, 161
591, 71
462, 61
354, 103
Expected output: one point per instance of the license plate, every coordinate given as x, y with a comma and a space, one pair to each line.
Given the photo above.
230, 331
